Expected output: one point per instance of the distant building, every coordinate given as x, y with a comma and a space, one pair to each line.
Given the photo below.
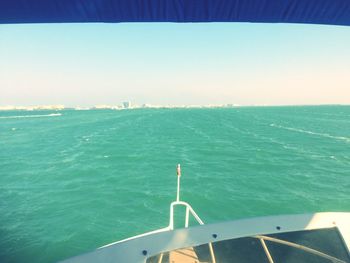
104, 107
101, 107
145, 105
30, 108
127, 104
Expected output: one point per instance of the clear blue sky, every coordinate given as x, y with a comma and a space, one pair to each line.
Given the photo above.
167, 63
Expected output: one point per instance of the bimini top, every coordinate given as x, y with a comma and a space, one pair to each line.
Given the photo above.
334, 12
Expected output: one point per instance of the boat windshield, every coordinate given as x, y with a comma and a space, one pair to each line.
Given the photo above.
311, 246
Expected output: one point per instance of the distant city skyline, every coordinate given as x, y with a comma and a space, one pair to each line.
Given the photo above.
82, 65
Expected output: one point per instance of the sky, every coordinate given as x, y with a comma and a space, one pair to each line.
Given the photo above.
177, 64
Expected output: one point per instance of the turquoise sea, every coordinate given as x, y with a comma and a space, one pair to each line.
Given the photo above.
71, 181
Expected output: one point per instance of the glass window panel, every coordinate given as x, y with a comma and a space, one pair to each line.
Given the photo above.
250, 249
328, 241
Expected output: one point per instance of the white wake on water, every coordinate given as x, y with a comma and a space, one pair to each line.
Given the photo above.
32, 116
311, 132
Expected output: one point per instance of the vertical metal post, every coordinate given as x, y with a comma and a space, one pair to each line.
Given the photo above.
267, 252
178, 171
160, 258
187, 216
171, 221
213, 260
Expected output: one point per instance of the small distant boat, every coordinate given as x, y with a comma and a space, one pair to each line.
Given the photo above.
319, 237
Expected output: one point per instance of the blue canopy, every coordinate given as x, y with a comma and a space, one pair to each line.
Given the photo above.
336, 12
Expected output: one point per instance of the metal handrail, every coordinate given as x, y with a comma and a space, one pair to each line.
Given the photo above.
189, 210
298, 246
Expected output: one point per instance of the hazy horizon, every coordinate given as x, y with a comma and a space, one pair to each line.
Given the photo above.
174, 64
166, 105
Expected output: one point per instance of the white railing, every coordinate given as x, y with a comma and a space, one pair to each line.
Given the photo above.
189, 210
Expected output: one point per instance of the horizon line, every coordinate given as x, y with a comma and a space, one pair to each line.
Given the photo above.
153, 106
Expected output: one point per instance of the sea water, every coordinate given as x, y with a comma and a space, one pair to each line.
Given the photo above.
71, 181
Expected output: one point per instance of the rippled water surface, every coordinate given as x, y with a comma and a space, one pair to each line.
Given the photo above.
71, 181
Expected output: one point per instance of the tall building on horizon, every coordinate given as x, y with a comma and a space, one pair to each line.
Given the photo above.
127, 104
